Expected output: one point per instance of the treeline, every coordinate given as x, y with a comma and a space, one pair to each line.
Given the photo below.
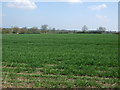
45, 29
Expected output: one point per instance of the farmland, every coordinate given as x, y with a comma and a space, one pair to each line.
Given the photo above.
60, 60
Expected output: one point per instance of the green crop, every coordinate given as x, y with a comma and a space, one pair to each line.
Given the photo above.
60, 60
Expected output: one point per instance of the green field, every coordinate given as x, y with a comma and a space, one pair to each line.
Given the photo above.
60, 60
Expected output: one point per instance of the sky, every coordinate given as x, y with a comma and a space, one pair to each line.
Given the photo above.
61, 15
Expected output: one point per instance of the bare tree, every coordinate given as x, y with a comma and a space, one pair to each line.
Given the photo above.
34, 30
44, 28
101, 29
23, 30
15, 30
84, 28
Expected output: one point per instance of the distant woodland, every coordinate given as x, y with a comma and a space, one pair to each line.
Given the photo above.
45, 29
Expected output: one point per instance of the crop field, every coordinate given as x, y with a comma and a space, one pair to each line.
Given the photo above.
60, 60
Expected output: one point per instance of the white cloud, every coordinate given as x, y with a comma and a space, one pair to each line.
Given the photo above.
98, 7
46, 0
66, 0
101, 16
22, 4
2, 15
74, 1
